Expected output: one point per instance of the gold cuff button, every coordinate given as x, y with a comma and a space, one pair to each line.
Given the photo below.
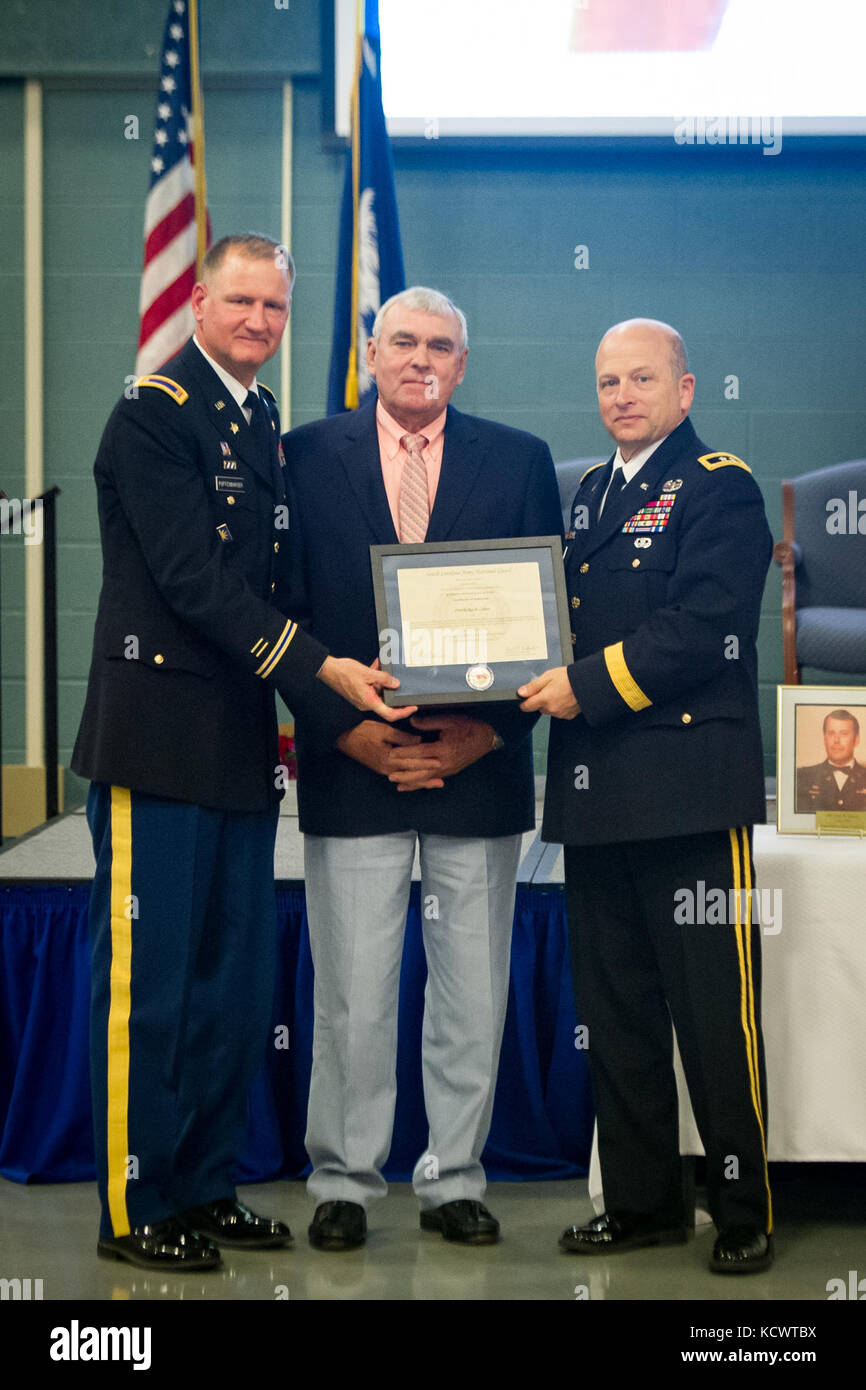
158, 659
635, 564
687, 719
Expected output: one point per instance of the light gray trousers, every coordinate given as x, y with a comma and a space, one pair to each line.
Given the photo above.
357, 895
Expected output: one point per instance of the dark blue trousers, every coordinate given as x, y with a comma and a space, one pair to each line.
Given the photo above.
644, 952
183, 937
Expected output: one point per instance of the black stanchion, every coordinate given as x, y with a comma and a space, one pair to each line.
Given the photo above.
49, 637
2, 499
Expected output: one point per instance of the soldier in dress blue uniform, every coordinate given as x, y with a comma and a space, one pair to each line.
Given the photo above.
654, 781
179, 738
839, 782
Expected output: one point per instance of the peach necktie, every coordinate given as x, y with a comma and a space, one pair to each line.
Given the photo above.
414, 507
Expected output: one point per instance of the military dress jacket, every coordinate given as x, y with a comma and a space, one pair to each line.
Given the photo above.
189, 644
495, 482
817, 789
664, 593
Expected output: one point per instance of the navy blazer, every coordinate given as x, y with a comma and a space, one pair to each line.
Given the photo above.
495, 482
188, 645
665, 595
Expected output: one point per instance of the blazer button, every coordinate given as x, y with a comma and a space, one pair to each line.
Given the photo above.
273, 586
230, 501
635, 564
158, 659
276, 545
687, 719
584, 567
575, 603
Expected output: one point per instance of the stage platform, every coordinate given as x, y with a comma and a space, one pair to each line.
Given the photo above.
62, 852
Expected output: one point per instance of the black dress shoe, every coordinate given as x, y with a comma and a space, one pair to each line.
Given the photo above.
235, 1226
338, 1226
741, 1250
465, 1221
168, 1245
608, 1234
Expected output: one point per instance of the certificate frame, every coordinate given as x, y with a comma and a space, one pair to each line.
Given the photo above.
803, 792
471, 678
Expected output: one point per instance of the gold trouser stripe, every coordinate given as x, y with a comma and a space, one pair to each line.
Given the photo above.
119, 1007
743, 933
623, 680
279, 648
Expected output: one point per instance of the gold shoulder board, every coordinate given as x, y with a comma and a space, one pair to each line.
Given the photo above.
591, 469
165, 383
712, 461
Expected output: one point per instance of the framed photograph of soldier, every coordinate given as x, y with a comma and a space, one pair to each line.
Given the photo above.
467, 621
821, 766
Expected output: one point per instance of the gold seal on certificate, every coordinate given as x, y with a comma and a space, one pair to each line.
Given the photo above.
469, 620
479, 677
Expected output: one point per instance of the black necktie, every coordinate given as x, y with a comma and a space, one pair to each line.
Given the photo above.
616, 482
259, 424
264, 436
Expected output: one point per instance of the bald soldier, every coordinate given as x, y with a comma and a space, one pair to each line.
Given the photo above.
654, 782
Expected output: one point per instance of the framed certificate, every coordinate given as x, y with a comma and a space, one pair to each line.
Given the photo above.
467, 621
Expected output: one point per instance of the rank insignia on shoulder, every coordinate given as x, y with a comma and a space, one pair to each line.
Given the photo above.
591, 469
223, 532
165, 383
713, 461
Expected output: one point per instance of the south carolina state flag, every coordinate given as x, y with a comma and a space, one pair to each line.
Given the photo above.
370, 259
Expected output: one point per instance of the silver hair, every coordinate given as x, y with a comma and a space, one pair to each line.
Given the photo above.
430, 301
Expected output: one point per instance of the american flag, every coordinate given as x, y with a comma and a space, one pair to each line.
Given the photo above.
175, 220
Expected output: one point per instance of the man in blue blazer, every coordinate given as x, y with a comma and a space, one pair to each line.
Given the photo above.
408, 467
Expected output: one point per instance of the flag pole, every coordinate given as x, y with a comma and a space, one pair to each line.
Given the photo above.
198, 140
351, 399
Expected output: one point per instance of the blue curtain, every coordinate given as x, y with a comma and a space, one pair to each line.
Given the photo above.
542, 1117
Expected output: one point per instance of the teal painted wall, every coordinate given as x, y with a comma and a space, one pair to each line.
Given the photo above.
756, 259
